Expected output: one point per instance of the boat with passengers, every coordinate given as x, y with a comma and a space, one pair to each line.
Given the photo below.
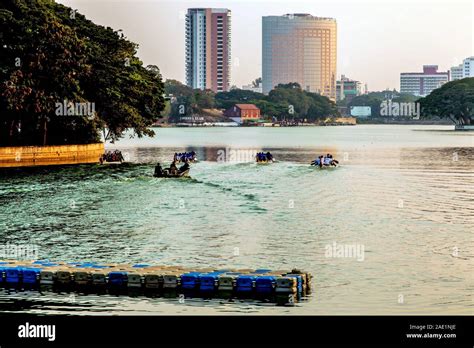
325, 162
184, 157
264, 158
173, 171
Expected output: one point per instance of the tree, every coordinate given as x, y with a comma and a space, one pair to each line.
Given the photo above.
256, 82
453, 100
50, 54
300, 104
225, 100
285, 102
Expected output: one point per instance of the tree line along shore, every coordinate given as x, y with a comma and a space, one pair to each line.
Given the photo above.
66, 80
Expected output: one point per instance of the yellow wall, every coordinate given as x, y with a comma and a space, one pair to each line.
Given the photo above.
346, 120
28, 156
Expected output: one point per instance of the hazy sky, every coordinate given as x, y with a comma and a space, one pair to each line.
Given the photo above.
377, 39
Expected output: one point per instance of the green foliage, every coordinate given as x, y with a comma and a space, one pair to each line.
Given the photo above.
225, 100
256, 82
285, 102
189, 101
375, 99
300, 104
453, 100
371, 99
51, 54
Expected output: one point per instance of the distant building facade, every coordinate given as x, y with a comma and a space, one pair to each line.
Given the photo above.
208, 52
300, 48
241, 113
347, 88
423, 83
456, 72
466, 69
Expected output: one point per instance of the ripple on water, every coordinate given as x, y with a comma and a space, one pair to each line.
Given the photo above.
411, 214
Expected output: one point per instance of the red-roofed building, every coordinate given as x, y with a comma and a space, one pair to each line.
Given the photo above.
243, 112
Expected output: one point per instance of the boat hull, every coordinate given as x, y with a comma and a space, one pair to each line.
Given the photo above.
184, 174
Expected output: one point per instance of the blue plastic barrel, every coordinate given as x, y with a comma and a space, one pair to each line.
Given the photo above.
190, 280
208, 281
13, 274
118, 278
244, 283
31, 275
265, 284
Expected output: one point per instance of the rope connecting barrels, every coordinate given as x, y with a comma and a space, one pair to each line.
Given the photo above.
274, 286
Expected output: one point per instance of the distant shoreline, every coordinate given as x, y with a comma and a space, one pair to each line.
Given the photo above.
223, 124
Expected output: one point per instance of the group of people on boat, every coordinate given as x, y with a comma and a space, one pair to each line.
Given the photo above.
112, 156
264, 157
185, 157
173, 170
325, 161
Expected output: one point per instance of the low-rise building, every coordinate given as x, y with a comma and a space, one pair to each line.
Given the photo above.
463, 70
347, 88
241, 113
423, 83
456, 72
468, 67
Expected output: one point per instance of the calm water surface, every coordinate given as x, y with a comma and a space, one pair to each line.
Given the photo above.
404, 193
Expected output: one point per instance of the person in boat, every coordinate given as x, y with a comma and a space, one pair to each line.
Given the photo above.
184, 167
269, 156
318, 161
261, 157
158, 170
173, 169
193, 155
327, 160
120, 156
332, 161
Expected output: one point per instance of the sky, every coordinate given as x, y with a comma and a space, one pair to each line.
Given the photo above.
377, 39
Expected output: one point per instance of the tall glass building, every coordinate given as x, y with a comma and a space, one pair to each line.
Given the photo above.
300, 48
208, 48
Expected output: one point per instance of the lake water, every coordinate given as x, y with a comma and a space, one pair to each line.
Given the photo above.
404, 195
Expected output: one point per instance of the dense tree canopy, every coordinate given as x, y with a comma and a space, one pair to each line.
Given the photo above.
293, 103
453, 100
188, 101
225, 100
52, 55
285, 102
375, 99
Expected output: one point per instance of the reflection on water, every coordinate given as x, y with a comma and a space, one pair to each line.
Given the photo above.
410, 206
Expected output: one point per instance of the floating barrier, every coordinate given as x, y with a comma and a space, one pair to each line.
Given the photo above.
277, 286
